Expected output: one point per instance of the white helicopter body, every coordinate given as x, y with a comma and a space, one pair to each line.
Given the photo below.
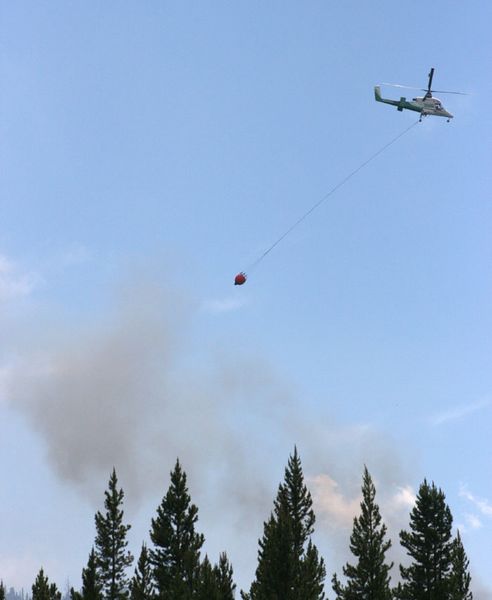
425, 105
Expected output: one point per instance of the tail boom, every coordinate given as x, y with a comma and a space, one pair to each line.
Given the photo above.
400, 104
379, 98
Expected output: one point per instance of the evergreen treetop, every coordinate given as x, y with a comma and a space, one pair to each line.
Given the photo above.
43, 590
112, 557
289, 566
429, 545
91, 586
224, 577
369, 579
176, 554
215, 582
299, 504
206, 588
460, 578
141, 585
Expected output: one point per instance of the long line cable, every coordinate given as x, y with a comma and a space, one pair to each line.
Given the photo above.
331, 192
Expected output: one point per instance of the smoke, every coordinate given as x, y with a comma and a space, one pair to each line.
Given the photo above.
125, 392
92, 394
132, 391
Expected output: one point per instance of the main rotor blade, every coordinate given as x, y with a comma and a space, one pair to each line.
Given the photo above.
406, 87
448, 92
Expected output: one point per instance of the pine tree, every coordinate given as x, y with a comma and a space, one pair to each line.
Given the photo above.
289, 567
206, 587
460, 577
54, 593
313, 574
141, 585
274, 574
369, 579
215, 583
91, 586
429, 545
223, 575
2, 590
112, 558
176, 554
43, 590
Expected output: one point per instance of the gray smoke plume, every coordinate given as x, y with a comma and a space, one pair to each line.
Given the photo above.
87, 394
128, 391
121, 393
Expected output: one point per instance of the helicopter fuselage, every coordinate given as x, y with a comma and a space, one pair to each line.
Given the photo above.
425, 105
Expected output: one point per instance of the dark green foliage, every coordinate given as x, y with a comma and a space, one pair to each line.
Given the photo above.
206, 587
223, 575
289, 567
369, 579
43, 590
2, 591
299, 504
176, 554
274, 574
112, 558
215, 583
312, 575
91, 586
460, 577
429, 545
141, 585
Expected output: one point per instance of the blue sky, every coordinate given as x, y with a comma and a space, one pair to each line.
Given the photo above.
149, 152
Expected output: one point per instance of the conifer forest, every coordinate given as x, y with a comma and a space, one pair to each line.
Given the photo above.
171, 564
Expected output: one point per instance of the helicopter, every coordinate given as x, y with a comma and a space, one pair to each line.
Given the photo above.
425, 105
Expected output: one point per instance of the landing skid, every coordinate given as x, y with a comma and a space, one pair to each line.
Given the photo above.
425, 115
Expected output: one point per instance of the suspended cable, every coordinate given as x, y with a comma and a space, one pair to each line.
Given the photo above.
242, 276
